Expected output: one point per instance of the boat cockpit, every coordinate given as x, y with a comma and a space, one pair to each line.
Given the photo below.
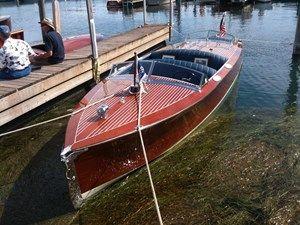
191, 66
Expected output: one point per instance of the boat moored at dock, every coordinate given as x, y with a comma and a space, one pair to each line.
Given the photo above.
157, 2
239, 1
263, 1
184, 85
114, 3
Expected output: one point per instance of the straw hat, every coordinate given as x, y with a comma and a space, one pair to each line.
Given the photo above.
47, 22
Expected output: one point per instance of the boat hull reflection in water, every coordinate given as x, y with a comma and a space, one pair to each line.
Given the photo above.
184, 85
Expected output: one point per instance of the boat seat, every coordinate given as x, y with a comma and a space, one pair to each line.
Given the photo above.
214, 61
165, 69
195, 66
176, 69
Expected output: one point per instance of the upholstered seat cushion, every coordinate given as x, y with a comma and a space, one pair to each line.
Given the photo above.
178, 72
214, 61
195, 66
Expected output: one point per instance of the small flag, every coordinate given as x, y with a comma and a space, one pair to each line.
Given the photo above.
222, 32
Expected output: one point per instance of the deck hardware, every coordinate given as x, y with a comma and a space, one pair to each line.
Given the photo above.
228, 66
217, 78
122, 100
69, 175
66, 152
186, 79
102, 111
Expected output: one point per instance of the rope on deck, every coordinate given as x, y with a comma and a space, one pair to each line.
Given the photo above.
56, 118
146, 159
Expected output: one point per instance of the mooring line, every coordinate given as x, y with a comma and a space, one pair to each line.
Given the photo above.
56, 118
146, 159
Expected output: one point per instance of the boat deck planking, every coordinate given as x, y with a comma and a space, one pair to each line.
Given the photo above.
17, 95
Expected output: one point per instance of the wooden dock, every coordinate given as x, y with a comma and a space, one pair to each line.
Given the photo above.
19, 96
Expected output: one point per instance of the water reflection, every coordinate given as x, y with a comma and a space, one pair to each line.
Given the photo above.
202, 10
292, 91
41, 191
177, 11
195, 9
157, 9
262, 8
244, 13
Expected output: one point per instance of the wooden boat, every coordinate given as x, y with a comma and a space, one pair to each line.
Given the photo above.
71, 43
80, 41
114, 3
238, 1
157, 2
185, 85
263, 1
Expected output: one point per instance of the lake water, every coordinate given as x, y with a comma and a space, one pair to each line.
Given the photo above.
243, 171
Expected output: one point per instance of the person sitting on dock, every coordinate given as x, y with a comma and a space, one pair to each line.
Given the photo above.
14, 56
54, 46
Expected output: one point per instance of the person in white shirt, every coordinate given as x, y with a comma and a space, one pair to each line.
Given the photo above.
14, 56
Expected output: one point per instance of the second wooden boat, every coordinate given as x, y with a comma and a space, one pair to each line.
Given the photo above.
157, 2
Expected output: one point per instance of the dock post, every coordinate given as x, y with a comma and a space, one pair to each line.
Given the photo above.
92, 29
42, 12
144, 11
297, 35
171, 20
56, 15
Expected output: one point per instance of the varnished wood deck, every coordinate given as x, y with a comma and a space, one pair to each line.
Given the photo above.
22, 95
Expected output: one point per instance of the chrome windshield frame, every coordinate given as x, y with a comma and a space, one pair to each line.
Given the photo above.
206, 36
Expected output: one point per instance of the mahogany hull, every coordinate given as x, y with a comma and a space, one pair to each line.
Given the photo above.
100, 164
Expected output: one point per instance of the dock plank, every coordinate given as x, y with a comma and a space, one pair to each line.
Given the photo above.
4, 90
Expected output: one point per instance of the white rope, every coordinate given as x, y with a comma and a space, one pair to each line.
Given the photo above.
146, 159
54, 119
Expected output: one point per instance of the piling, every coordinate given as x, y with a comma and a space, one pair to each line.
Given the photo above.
56, 15
144, 11
92, 29
171, 20
42, 12
297, 35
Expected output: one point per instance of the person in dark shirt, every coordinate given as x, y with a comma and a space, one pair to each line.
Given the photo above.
54, 46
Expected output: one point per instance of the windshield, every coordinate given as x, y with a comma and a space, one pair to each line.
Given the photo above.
213, 35
205, 35
127, 67
161, 69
